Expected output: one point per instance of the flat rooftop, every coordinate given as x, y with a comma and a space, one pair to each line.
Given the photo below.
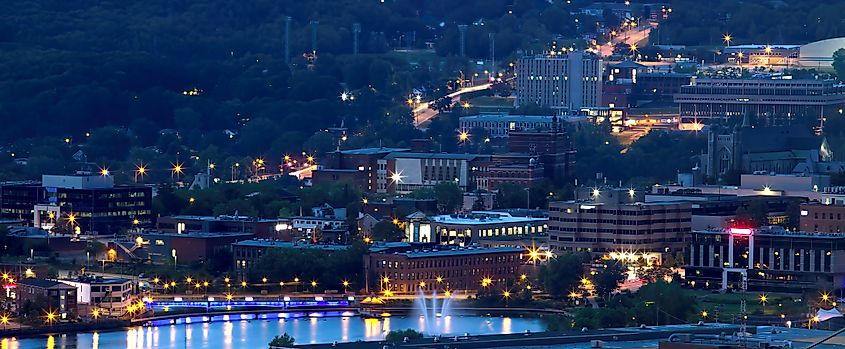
220, 218
508, 117
449, 156
460, 251
372, 151
265, 243
777, 232
198, 234
484, 218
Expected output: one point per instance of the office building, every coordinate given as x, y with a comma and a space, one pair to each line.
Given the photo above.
404, 172
462, 229
499, 125
565, 82
604, 225
61, 298
769, 259
769, 102
442, 268
79, 204
712, 211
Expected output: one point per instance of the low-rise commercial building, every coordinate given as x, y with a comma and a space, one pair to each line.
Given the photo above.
111, 296
768, 259
264, 228
441, 269
186, 248
461, 229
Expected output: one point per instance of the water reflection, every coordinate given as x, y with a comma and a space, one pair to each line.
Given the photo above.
249, 334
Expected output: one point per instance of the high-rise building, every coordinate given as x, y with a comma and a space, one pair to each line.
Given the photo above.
565, 82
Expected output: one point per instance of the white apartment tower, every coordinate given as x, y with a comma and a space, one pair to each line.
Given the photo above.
565, 82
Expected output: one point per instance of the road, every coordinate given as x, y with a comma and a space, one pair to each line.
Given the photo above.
632, 36
422, 113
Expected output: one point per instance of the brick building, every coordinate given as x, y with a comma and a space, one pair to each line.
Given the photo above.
822, 218
456, 269
60, 298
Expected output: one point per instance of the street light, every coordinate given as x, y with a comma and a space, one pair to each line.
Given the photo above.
463, 136
727, 38
50, 317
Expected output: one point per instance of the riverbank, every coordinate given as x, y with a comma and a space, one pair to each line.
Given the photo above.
104, 325
541, 339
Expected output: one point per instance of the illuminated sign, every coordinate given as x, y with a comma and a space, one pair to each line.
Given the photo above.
741, 231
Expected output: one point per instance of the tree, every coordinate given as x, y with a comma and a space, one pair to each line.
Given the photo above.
449, 196
839, 63
387, 231
282, 341
608, 278
397, 336
663, 303
562, 274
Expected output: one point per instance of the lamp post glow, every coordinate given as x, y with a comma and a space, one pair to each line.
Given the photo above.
727, 38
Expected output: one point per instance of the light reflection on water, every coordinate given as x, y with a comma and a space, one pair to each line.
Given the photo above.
257, 333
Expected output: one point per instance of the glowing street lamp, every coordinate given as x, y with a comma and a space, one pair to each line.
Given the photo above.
4, 320
104, 171
704, 314
50, 317
763, 299
573, 295
396, 177
463, 136
727, 38
345, 285
176, 170
95, 313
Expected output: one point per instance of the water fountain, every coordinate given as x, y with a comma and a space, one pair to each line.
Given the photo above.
430, 313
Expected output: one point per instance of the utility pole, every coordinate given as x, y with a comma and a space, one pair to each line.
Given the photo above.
462, 31
287, 39
492, 37
356, 30
314, 37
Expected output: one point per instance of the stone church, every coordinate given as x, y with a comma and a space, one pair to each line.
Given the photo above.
749, 149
